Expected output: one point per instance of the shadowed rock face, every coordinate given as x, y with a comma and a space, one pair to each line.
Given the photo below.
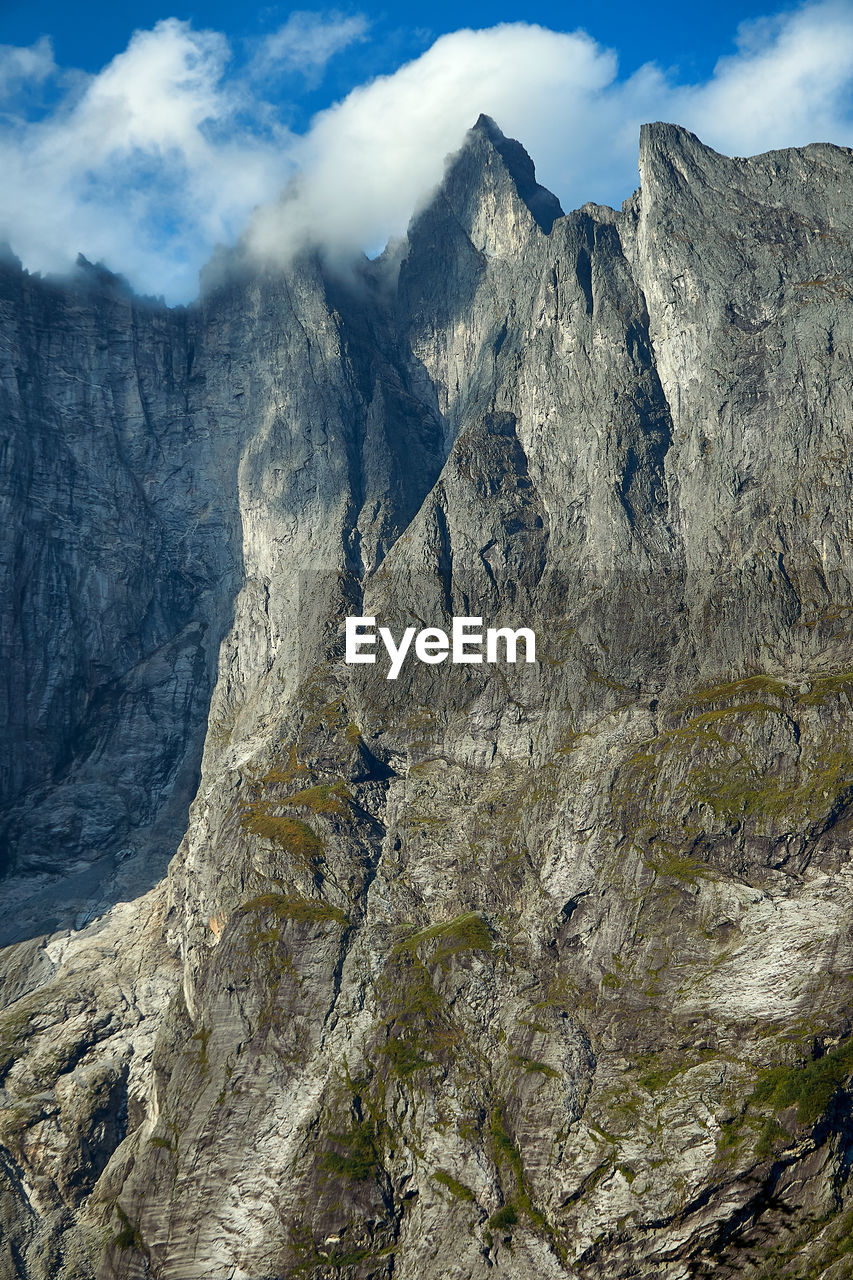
530, 970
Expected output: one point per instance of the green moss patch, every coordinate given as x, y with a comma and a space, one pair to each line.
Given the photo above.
466, 932
535, 1068
128, 1236
288, 833
287, 770
824, 687
810, 1086
769, 686
16, 1026
405, 1057
740, 792
421, 1031
505, 1218
301, 910
662, 858
361, 1154
708, 762
317, 1259
157, 1141
202, 1036
457, 1189
508, 1158
656, 1071
331, 799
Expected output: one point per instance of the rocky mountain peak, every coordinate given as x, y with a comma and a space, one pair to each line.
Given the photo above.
541, 202
494, 970
490, 187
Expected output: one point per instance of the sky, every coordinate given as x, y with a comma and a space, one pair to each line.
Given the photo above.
144, 136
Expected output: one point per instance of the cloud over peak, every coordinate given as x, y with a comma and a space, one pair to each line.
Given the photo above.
172, 146
369, 161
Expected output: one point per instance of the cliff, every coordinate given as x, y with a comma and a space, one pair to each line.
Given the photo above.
533, 970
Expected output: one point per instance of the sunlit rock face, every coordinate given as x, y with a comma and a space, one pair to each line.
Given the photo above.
516, 969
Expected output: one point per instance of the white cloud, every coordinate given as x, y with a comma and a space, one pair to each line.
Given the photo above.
31, 65
370, 160
168, 149
146, 168
789, 84
307, 41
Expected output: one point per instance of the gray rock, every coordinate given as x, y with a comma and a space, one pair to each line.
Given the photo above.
535, 970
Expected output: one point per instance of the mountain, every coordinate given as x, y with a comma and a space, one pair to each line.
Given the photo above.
533, 969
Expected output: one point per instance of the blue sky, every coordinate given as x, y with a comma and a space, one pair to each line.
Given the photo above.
689, 36
146, 140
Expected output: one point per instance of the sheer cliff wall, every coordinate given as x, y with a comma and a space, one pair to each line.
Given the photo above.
527, 970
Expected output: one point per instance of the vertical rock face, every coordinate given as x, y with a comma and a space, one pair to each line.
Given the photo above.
116, 553
533, 969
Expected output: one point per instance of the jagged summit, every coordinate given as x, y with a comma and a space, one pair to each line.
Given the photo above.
95, 276
490, 197
541, 202
674, 160
489, 126
666, 136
